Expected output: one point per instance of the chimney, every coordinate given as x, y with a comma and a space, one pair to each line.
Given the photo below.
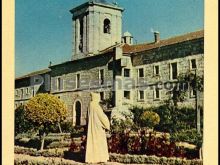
156, 36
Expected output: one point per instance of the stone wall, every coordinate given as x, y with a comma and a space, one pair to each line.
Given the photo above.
182, 54
89, 71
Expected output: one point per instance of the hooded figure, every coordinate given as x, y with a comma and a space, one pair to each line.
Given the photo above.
96, 145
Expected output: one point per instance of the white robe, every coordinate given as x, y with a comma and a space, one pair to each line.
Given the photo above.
96, 147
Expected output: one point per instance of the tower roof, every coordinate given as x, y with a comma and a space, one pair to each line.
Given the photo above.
127, 34
103, 3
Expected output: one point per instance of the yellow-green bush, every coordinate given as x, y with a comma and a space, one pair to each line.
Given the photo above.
149, 119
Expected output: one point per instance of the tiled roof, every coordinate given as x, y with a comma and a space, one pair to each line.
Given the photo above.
147, 46
33, 74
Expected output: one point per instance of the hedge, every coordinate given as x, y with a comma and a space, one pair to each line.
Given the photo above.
50, 142
30, 160
113, 157
152, 160
45, 153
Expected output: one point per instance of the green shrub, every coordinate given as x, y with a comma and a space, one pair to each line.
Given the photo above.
30, 160
59, 144
190, 136
137, 112
35, 152
36, 143
120, 125
173, 119
149, 119
22, 125
140, 159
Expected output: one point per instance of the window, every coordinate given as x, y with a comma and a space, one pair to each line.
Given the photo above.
102, 96
27, 91
141, 95
141, 72
126, 72
127, 94
156, 70
81, 36
157, 93
22, 91
78, 81
36, 80
174, 72
101, 76
106, 28
59, 83
193, 64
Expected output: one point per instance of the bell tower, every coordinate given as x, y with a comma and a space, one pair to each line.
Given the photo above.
97, 25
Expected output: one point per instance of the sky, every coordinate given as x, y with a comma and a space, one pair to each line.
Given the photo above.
43, 28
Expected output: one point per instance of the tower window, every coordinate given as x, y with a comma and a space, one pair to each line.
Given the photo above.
106, 28
81, 36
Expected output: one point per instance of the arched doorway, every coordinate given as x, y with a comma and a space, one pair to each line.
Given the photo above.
78, 112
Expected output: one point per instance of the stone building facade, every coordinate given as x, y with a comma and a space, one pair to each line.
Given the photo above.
105, 61
29, 85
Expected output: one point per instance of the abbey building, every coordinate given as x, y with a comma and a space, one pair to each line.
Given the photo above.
107, 61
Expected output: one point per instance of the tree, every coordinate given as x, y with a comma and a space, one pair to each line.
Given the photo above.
192, 81
45, 110
22, 125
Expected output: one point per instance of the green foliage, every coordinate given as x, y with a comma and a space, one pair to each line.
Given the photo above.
22, 125
144, 159
175, 119
179, 122
190, 136
45, 109
145, 117
120, 125
137, 112
149, 119
185, 82
34, 152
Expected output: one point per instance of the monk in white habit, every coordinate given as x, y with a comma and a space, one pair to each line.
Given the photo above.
96, 146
